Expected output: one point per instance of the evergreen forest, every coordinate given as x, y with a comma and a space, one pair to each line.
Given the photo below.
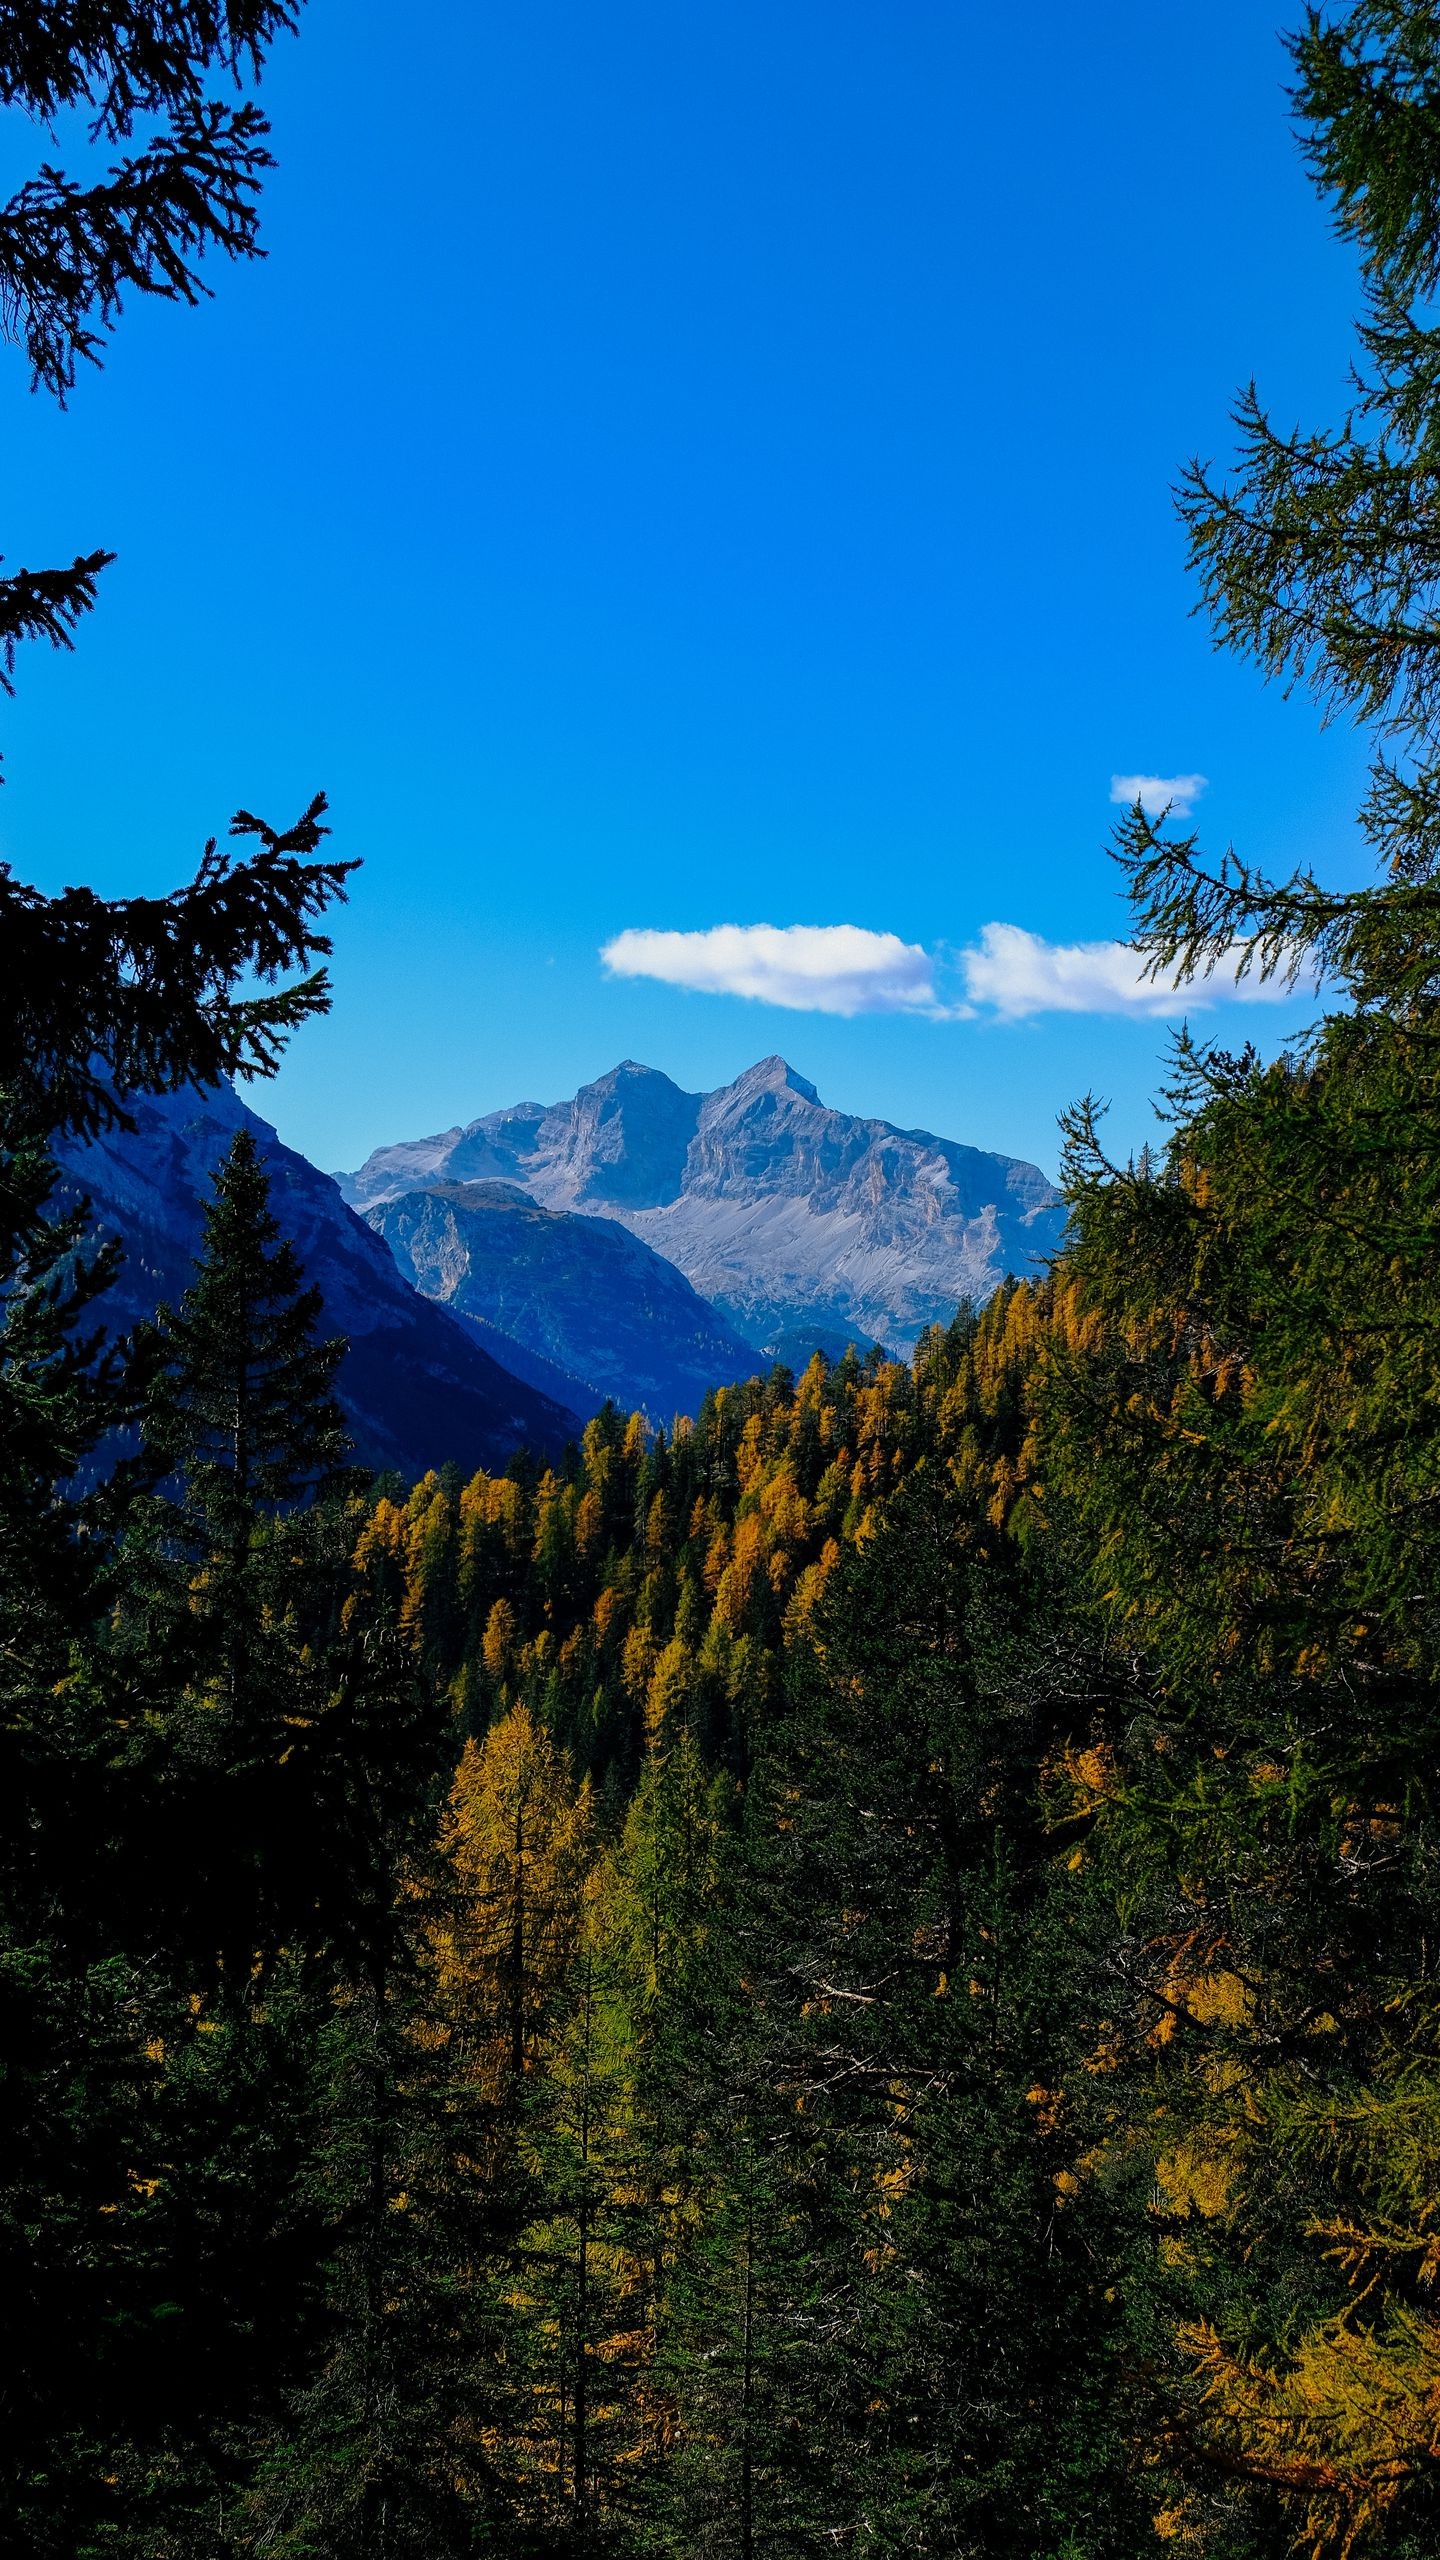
857, 1975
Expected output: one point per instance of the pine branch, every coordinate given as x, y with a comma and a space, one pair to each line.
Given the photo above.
137, 994
1369, 100
46, 604
1382, 943
1321, 563
127, 58
1191, 919
69, 254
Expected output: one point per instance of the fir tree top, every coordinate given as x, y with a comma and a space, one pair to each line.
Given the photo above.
239, 1402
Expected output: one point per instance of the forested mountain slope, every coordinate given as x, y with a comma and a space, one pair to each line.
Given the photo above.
657, 1579
857, 1977
746, 1941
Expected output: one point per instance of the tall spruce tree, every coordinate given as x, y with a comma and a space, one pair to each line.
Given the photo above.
227, 1571
284, 1769
238, 1404
182, 1711
728, 2355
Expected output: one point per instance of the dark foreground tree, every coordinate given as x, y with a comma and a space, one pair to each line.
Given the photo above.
226, 1579
1249, 1433
143, 993
158, 1977
249, 1755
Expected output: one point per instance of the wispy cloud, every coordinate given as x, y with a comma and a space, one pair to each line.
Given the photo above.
809, 968
1156, 792
1013, 973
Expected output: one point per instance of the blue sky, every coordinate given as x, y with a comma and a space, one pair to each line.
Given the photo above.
699, 467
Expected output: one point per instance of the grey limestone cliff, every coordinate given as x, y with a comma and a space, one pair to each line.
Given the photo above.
782, 1212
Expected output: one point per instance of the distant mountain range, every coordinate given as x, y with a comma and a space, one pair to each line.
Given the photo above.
638, 1242
796, 1222
418, 1384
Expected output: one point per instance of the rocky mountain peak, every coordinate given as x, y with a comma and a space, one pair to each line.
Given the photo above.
777, 1208
768, 1075
622, 1142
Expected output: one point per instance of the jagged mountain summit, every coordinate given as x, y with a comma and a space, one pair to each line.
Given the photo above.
615, 1319
779, 1210
418, 1384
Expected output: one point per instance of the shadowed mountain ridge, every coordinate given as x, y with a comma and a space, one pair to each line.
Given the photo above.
581, 1292
418, 1384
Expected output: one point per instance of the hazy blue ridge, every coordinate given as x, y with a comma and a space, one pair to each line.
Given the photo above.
581, 1293
418, 1385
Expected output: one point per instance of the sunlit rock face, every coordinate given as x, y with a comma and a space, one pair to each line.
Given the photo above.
783, 1213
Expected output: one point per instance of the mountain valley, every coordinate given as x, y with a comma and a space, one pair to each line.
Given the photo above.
497, 1283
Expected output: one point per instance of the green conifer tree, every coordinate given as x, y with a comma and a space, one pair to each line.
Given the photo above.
1245, 1427
288, 1767
228, 1566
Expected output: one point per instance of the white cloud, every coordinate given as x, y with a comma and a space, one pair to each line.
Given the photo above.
811, 968
1156, 792
1014, 973
1008, 973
